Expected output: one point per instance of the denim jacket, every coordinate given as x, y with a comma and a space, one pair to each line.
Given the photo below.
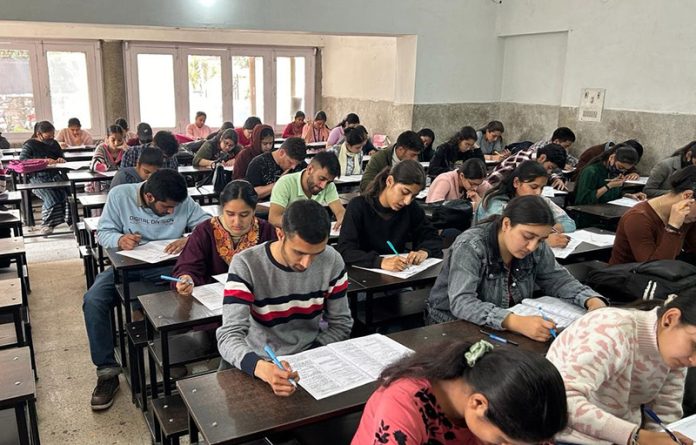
475, 285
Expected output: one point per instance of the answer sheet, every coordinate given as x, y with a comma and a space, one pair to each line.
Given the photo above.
597, 239
151, 252
686, 426
210, 295
409, 271
625, 202
564, 252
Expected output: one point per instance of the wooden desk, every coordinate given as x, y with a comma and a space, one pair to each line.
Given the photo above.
603, 211
229, 407
91, 202
586, 251
18, 391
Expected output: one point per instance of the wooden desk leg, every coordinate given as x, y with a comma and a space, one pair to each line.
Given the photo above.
193, 431
22, 430
17, 317
153, 375
164, 338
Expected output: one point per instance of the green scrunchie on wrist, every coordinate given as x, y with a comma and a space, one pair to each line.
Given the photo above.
476, 351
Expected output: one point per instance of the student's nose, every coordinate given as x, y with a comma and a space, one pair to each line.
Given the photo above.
305, 261
408, 199
532, 245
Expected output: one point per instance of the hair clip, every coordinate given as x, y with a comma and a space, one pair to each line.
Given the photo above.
669, 299
476, 351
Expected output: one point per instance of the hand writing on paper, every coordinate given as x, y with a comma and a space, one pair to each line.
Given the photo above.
637, 196
416, 257
559, 184
632, 176
616, 182
558, 240
395, 263
534, 327
129, 241
175, 246
277, 378
661, 438
187, 287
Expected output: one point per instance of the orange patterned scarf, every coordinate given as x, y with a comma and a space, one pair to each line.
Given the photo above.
225, 245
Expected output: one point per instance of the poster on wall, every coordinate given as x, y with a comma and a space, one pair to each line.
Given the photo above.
591, 104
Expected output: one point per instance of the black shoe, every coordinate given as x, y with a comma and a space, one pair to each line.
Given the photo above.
103, 394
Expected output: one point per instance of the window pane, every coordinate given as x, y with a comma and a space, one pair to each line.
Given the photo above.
205, 88
17, 113
247, 84
67, 78
156, 89
290, 87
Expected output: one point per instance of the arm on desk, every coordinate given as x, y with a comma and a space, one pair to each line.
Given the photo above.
337, 311
338, 210
349, 239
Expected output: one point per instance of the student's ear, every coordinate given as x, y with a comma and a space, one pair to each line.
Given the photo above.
612, 157
516, 183
505, 225
541, 159
279, 233
478, 403
149, 198
390, 181
671, 317
687, 194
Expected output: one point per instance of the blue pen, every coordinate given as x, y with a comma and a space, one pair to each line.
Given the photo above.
498, 338
554, 334
653, 416
176, 280
273, 357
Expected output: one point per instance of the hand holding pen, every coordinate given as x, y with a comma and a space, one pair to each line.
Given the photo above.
660, 438
184, 284
129, 241
279, 375
553, 332
396, 263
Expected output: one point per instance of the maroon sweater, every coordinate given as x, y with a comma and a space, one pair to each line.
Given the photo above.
641, 236
201, 258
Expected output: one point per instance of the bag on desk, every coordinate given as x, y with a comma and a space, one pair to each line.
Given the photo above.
454, 214
220, 178
27, 166
626, 283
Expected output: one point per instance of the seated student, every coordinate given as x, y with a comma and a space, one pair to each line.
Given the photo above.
107, 156
144, 135
244, 133
266, 169
316, 131
4, 143
428, 137
150, 161
198, 129
564, 137
463, 393
221, 149
314, 182
597, 150
408, 146
551, 156
659, 181
337, 133
459, 148
350, 153
213, 243
158, 209
497, 264
128, 135
659, 228
303, 273
527, 179
262, 140
225, 126
74, 135
490, 138
615, 360
603, 178
387, 211
294, 128
43, 146
165, 141
458, 184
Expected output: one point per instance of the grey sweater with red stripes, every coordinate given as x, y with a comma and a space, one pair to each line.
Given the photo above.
268, 303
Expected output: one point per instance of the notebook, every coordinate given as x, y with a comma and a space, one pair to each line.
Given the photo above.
560, 312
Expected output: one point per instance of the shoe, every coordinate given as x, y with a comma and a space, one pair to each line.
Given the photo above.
46, 230
103, 394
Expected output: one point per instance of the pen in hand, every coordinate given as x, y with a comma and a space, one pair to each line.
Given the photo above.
553, 332
656, 419
275, 360
396, 252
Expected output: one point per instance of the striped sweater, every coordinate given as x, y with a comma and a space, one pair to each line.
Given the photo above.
267, 303
611, 365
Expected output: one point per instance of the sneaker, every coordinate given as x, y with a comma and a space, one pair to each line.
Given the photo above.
46, 230
103, 394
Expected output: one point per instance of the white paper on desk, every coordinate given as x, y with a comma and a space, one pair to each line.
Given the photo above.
640, 181
425, 164
334, 233
348, 179
596, 239
210, 295
624, 202
422, 194
409, 271
564, 252
342, 366
220, 278
109, 174
550, 192
686, 426
151, 252
560, 312
74, 165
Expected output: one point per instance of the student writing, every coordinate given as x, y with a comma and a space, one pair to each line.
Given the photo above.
490, 138
337, 133
387, 211
350, 154
459, 148
615, 360
265, 170
221, 149
428, 137
497, 264
294, 128
262, 139
658, 182
316, 130
198, 129
244, 133
149, 161
165, 141
74, 135
460, 183
277, 293
408, 146
463, 393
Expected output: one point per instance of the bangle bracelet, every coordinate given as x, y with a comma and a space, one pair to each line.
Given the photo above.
606, 186
671, 229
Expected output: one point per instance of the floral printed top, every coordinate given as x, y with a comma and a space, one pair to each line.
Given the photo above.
407, 413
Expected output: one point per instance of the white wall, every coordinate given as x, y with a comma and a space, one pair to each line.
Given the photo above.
641, 51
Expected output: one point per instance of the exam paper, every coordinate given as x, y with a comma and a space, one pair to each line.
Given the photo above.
221, 278
345, 365
210, 295
564, 252
422, 194
346, 179
686, 426
151, 252
409, 271
625, 202
560, 312
601, 240
640, 181
550, 192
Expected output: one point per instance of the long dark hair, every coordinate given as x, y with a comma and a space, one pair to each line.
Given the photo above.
688, 148
493, 126
239, 189
624, 153
683, 180
525, 392
685, 301
527, 171
530, 209
43, 127
351, 118
406, 172
467, 133
473, 168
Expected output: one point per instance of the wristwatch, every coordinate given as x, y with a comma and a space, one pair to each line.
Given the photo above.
671, 229
634, 437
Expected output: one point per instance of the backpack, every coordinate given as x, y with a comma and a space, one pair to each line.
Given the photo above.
656, 279
454, 214
27, 166
518, 146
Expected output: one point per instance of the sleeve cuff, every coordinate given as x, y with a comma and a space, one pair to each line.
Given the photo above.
618, 430
248, 364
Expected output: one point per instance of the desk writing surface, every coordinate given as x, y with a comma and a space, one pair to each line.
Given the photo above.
122, 262
374, 281
171, 309
606, 211
231, 407
92, 200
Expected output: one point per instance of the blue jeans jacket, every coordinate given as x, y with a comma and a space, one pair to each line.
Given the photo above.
475, 285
